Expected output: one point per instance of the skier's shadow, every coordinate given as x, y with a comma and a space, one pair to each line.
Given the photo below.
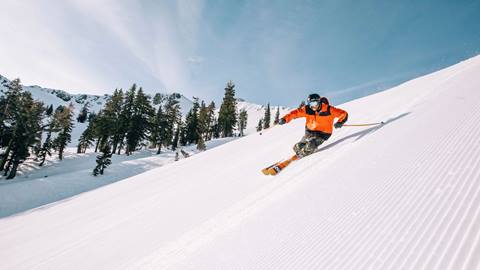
363, 133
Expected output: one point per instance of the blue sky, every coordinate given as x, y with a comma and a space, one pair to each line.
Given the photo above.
274, 51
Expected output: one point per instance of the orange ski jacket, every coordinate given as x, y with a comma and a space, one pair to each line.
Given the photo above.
321, 120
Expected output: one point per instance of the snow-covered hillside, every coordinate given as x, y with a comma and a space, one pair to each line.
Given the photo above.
404, 195
60, 97
256, 112
35, 186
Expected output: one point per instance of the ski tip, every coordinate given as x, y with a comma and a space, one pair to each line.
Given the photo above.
271, 171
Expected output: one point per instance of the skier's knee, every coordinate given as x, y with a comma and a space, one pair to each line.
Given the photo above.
309, 150
298, 148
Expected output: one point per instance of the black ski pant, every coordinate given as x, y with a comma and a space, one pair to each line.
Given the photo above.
310, 142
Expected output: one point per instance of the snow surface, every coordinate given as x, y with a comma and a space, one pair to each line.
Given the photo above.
405, 195
35, 186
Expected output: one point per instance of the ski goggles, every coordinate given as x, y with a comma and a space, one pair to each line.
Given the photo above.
314, 103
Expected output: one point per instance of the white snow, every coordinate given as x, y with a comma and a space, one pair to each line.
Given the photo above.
256, 112
35, 186
405, 195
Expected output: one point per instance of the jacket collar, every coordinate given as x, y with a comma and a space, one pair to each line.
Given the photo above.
324, 110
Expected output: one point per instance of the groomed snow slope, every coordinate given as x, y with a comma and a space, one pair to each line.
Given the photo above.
403, 196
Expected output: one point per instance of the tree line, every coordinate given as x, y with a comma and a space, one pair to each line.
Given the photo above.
264, 123
129, 121
23, 121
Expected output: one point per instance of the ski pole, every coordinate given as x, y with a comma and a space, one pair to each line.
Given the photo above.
362, 125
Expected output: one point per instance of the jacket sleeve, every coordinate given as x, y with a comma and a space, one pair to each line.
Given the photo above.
297, 113
340, 114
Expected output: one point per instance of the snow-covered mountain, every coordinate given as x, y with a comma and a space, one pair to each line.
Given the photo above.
256, 112
404, 195
60, 97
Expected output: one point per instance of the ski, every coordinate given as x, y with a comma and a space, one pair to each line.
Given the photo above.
279, 166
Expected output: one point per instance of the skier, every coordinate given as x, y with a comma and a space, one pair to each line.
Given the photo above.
320, 116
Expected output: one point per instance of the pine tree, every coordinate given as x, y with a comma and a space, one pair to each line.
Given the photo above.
83, 114
266, 118
64, 119
227, 117
215, 128
28, 132
203, 121
85, 141
176, 137
210, 120
8, 118
183, 135
201, 144
173, 117
242, 121
33, 113
8, 104
46, 147
158, 129
139, 124
87, 137
158, 99
126, 116
191, 123
21, 124
103, 160
107, 125
49, 110
112, 111
91, 116
260, 125
101, 129
277, 116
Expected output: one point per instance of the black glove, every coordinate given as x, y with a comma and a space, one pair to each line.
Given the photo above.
281, 121
338, 125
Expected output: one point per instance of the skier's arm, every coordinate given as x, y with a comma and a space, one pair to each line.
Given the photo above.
297, 113
340, 114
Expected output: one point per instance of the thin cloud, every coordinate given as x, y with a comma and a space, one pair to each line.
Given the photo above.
371, 86
196, 60
33, 47
87, 45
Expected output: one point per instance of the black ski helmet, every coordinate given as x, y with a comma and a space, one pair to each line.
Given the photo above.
313, 97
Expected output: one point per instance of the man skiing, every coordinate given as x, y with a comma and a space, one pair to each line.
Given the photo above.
320, 116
